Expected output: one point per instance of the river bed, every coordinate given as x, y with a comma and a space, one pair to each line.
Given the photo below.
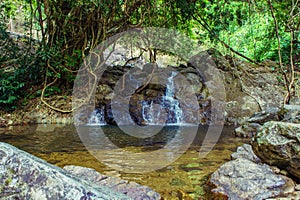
61, 145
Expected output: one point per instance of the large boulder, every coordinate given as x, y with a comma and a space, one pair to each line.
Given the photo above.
246, 177
23, 176
131, 189
278, 143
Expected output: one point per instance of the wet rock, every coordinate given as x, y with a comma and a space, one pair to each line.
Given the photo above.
245, 151
23, 176
244, 179
247, 130
278, 143
131, 189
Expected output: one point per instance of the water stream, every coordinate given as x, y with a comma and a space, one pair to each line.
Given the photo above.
169, 104
60, 145
97, 117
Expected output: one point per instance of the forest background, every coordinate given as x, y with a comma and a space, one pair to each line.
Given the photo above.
43, 42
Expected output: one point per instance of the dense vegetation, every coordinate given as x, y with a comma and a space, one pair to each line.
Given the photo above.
44, 42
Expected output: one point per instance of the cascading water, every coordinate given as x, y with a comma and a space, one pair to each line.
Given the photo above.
147, 112
97, 117
171, 103
168, 103
151, 112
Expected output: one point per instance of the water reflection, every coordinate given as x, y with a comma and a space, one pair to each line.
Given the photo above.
119, 150
43, 138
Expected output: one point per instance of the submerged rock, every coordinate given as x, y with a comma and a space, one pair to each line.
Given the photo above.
278, 143
24, 176
131, 189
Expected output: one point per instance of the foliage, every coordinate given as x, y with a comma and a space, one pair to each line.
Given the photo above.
246, 26
16, 56
55, 36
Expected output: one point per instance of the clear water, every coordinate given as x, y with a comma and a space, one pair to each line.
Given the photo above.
60, 145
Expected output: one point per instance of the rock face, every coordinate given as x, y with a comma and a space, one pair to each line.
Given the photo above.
131, 189
278, 143
247, 178
249, 88
23, 176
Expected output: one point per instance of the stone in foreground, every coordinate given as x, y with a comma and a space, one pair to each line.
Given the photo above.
243, 179
278, 143
23, 176
131, 189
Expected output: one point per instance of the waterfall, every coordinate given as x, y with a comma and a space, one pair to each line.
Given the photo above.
171, 104
151, 112
168, 103
147, 112
97, 117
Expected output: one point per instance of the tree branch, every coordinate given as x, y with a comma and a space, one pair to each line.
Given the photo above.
286, 100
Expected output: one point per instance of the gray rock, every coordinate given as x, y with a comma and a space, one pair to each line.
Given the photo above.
247, 130
278, 143
244, 179
131, 189
23, 176
270, 114
245, 151
291, 113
